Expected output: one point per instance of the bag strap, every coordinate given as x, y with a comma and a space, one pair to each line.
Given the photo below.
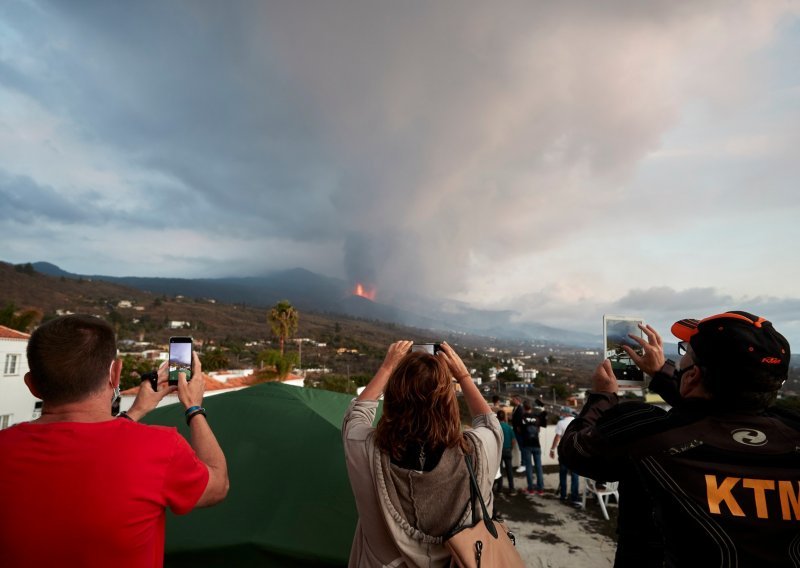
475, 490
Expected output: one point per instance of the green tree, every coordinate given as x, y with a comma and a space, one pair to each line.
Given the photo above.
132, 370
214, 360
25, 269
21, 320
334, 383
562, 390
283, 320
283, 362
509, 375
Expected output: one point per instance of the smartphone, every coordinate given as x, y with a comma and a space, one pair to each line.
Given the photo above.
432, 348
616, 333
180, 358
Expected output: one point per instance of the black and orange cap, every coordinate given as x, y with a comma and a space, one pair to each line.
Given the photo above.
736, 341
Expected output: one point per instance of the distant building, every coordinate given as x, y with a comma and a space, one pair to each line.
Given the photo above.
175, 324
225, 376
17, 404
147, 354
124, 304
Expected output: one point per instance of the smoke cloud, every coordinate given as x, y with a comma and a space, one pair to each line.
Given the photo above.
426, 147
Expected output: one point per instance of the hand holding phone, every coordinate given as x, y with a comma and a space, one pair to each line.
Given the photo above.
432, 348
616, 335
152, 378
180, 358
190, 393
649, 356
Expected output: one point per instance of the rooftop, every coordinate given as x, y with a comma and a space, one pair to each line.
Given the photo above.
8, 333
214, 385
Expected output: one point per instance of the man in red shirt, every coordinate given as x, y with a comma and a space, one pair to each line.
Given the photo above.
80, 488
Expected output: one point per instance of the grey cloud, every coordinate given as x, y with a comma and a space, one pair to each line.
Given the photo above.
702, 302
663, 298
415, 135
24, 201
659, 306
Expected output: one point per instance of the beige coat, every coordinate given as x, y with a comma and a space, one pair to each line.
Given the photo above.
397, 506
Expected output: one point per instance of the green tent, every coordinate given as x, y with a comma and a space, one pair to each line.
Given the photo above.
290, 502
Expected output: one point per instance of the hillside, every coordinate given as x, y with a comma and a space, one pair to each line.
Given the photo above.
353, 346
314, 292
210, 321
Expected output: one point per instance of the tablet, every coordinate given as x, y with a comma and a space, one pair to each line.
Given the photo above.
616, 333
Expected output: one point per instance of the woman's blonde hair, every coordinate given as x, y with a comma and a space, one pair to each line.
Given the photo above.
420, 406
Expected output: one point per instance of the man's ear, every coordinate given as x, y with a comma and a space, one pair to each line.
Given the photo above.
29, 383
693, 383
116, 373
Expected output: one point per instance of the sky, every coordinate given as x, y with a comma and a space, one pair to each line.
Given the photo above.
559, 159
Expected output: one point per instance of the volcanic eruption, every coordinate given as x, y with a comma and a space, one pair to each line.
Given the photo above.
364, 291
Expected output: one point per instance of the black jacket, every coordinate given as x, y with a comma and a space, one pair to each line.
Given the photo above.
724, 487
530, 430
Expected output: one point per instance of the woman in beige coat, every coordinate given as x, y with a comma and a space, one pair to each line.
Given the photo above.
408, 475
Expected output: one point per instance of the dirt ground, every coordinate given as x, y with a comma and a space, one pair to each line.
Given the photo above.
552, 534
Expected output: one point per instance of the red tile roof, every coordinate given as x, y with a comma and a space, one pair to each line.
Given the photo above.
213, 384
8, 333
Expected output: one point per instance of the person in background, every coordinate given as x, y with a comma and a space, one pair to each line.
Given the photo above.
508, 446
79, 487
496, 406
531, 448
409, 475
563, 470
516, 425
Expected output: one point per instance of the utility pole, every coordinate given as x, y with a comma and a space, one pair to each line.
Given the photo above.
300, 357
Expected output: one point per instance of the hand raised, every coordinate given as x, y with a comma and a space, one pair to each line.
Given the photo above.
147, 399
652, 358
454, 362
191, 392
395, 353
603, 379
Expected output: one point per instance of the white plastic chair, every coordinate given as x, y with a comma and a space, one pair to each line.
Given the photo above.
609, 488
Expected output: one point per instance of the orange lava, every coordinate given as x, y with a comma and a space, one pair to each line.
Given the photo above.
367, 292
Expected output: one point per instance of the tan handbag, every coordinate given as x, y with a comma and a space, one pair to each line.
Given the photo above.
485, 544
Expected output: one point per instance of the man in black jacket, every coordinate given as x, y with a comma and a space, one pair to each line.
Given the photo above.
719, 474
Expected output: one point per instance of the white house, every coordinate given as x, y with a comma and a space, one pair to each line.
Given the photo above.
17, 404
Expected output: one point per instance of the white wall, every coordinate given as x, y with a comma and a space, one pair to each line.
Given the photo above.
15, 398
126, 401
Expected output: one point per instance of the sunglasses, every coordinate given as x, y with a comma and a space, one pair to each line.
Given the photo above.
683, 347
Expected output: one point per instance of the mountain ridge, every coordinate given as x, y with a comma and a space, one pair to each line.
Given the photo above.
308, 290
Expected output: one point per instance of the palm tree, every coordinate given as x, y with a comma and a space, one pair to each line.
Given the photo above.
282, 320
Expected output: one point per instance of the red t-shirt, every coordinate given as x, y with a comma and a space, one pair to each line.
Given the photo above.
92, 494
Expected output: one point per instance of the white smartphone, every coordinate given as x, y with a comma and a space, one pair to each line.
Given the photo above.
616, 333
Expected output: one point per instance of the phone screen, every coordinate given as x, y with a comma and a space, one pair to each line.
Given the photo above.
616, 333
431, 348
180, 358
